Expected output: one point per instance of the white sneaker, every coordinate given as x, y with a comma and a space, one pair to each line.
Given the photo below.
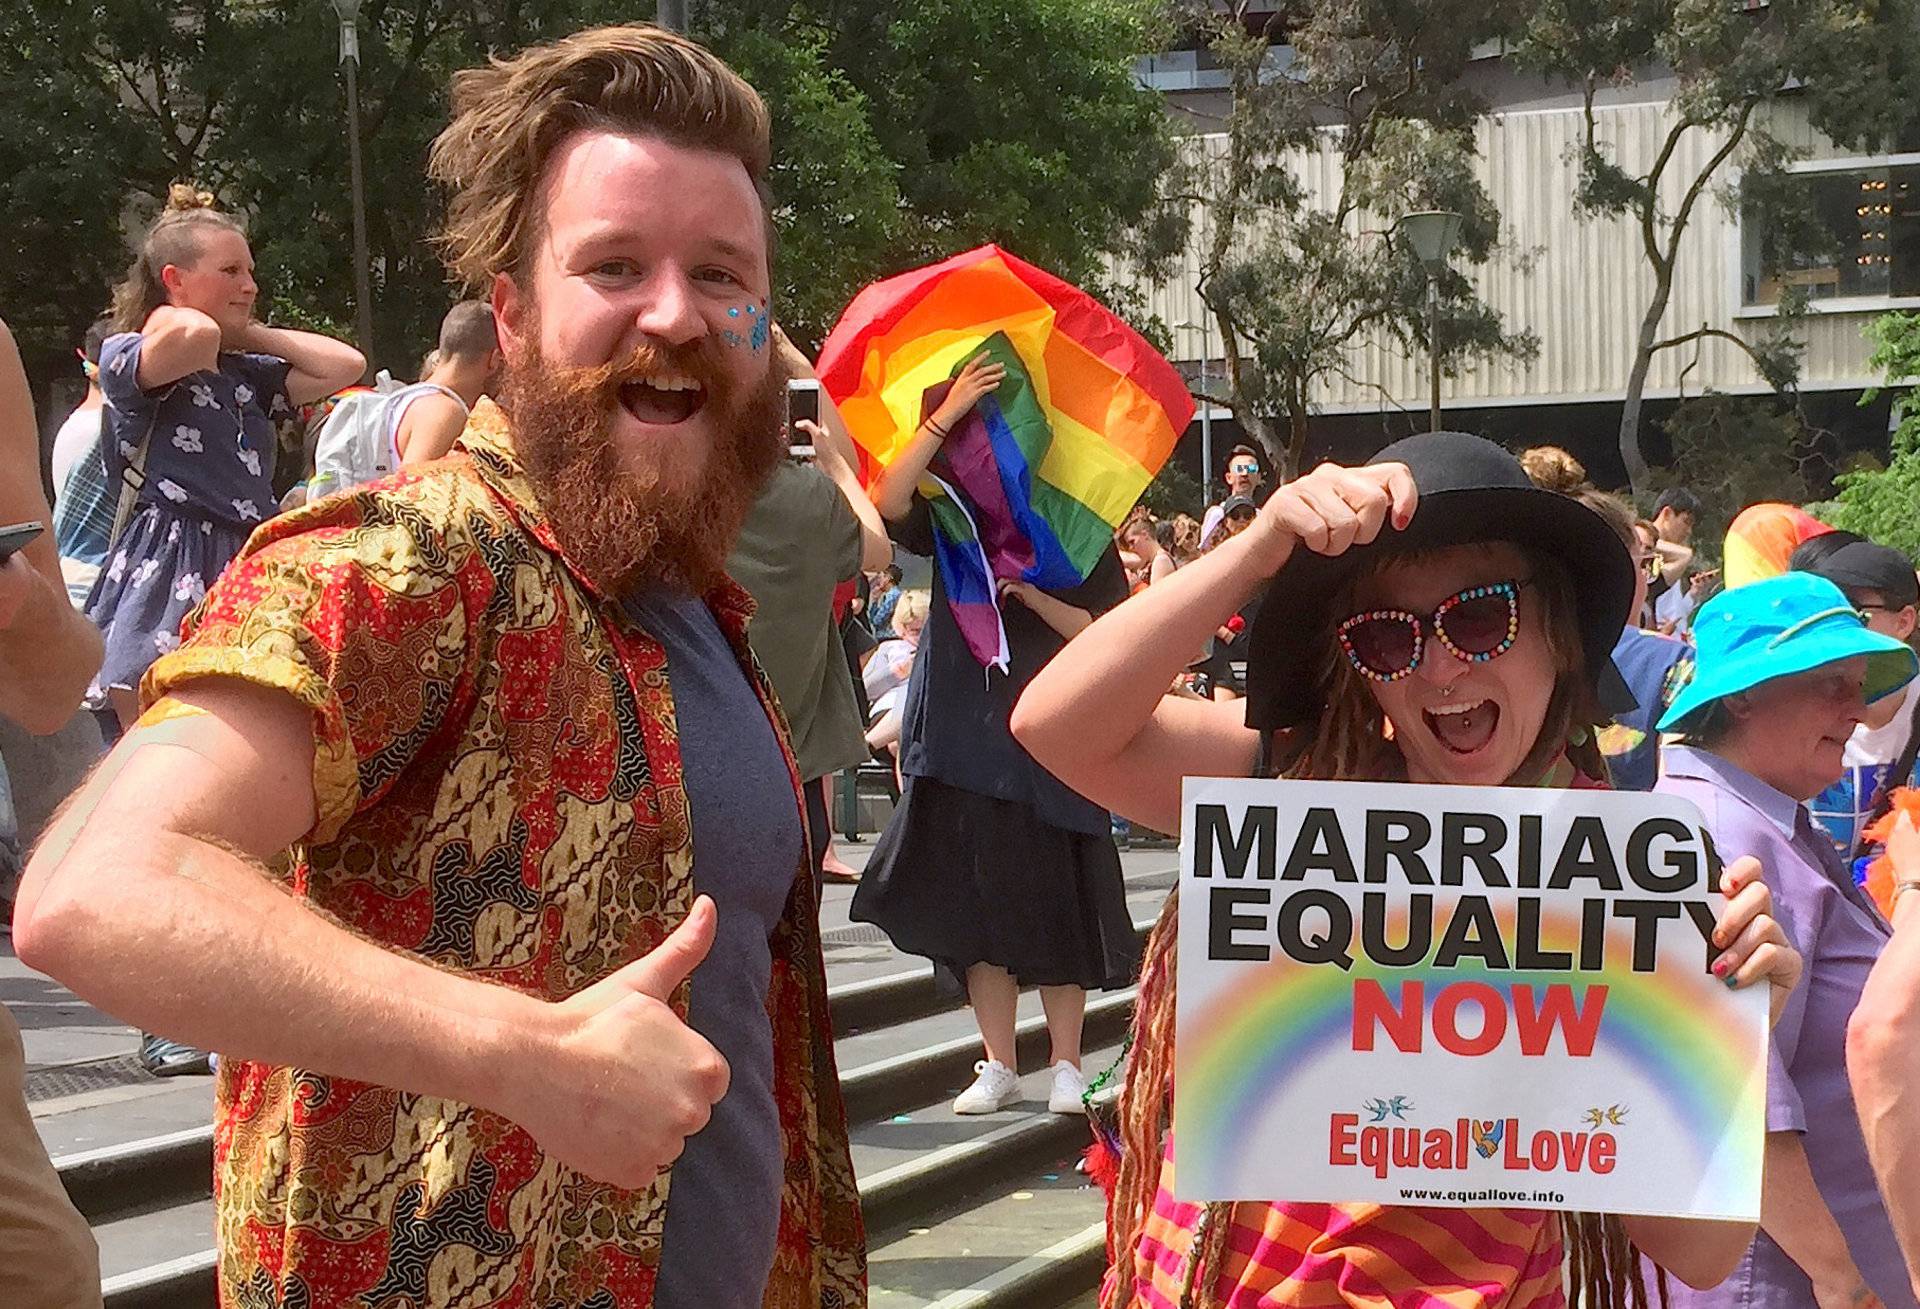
996, 1087
1069, 1090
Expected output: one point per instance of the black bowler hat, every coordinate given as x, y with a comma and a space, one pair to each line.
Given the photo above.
1471, 490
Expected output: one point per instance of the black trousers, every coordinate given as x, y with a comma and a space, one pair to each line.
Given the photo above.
819, 833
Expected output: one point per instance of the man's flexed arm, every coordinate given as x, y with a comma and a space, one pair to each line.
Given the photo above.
161, 858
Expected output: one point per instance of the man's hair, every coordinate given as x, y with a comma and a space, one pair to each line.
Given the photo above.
1243, 449
468, 332
1678, 499
510, 117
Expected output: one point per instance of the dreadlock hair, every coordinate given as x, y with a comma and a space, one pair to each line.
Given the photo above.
1348, 741
174, 239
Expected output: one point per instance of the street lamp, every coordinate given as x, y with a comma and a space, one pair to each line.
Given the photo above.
1206, 400
1431, 234
349, 12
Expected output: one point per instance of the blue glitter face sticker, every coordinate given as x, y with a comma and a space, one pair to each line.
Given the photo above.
756, 331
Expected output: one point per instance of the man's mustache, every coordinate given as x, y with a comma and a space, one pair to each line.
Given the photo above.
699, 360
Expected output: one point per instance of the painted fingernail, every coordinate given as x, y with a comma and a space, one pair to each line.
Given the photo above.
1719, 968
1731, 981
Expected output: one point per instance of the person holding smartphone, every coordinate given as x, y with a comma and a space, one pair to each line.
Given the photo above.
47, 652
811, 529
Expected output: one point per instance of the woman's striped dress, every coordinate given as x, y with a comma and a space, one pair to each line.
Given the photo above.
1321, 1256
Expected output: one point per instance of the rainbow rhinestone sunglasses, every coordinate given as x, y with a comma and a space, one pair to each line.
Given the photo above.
1477, 625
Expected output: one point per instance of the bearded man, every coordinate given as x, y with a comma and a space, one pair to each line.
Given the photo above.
457, 780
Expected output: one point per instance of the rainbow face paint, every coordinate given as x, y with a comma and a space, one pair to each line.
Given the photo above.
751, 327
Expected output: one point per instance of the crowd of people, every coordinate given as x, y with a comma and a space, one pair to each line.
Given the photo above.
536, 675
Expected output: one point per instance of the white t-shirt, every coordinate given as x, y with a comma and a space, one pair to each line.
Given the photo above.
75, 440
889, 666
1675, 605
1882, 745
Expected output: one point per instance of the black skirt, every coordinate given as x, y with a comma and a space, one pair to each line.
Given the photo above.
962, 879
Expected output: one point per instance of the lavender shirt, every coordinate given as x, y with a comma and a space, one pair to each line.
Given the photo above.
1836, 927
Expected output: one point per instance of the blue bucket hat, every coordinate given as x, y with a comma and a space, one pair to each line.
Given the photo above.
1789, 624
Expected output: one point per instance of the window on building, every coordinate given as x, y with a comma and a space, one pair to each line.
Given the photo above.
1869, 221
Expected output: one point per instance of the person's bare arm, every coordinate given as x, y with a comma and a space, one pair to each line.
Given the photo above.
48, 650
175, 341
1797, 1218
1881, 712
1098, 716
1883, 1054
320, 365
892, 490
833, 455
153, 860
1068, 620
1674, 559
429, 428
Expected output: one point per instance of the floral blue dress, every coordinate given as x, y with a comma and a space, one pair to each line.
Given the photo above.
208, 482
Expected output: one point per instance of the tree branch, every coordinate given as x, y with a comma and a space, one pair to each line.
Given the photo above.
1720, 156
1704, 332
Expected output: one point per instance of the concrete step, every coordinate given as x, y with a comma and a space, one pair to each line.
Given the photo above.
908, 1164
154, 1142
1035, 1241
151, 1208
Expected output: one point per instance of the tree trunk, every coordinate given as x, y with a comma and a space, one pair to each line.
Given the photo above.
1296, 439
1630, 453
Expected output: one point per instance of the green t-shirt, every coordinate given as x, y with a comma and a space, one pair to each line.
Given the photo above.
800, 542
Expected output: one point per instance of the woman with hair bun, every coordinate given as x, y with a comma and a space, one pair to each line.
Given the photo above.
192, 382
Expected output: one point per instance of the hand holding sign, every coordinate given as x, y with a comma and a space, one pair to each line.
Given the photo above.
1752, 945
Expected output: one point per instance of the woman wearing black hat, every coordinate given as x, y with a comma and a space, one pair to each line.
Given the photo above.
1446, 622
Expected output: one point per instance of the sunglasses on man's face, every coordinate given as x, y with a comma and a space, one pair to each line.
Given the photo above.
1477, 625
1244, 469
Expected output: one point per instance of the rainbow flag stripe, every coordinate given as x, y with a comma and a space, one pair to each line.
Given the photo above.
1034, 483
1762, 538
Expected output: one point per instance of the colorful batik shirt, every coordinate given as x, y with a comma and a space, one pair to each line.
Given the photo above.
498, 788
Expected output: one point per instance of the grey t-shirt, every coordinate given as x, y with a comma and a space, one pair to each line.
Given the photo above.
800, 542
723, 1207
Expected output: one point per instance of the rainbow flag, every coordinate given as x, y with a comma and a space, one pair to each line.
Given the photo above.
1762, 538
1034, 483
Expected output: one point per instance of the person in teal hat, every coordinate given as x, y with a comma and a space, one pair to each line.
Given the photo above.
1785, 669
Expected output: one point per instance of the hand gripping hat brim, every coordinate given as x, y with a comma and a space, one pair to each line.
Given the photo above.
1471, 490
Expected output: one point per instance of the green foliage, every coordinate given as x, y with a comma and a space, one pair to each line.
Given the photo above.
1881, 503
1174, 491
1733, 451
1296, 280
901, 133
1846, 63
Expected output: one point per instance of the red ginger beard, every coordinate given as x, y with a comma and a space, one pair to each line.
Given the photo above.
618, 523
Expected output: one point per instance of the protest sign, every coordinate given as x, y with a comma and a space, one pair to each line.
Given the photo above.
1459, 996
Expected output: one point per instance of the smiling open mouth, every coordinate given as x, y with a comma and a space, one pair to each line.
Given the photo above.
1464, 728
663, 401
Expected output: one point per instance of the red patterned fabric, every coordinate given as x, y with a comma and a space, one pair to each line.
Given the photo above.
498, 788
